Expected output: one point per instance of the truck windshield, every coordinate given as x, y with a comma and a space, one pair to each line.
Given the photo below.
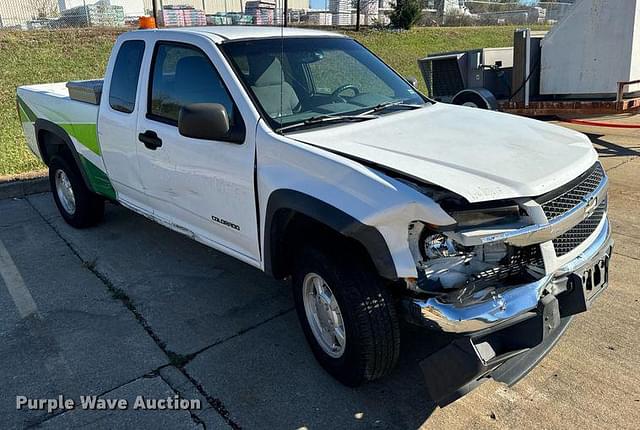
297, 79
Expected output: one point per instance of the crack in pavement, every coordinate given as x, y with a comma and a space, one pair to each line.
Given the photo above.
631, 159
195, 418
625, 255
191, 356
617, 233
52, 415
119, 294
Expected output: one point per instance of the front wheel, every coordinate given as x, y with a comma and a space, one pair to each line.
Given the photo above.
347, 315
78, 206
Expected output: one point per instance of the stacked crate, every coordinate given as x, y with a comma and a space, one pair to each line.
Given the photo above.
172, 17
97, 15
181, 16
220, 18
261, 10
193, 17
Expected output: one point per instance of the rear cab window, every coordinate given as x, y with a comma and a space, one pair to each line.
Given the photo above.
124, 78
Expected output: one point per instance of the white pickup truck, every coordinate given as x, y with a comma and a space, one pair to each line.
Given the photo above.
301, 153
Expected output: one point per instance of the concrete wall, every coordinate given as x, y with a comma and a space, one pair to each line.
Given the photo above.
594, 47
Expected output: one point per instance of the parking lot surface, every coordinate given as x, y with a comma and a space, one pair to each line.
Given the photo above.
130, 308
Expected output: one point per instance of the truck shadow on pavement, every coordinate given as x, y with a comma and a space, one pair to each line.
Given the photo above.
233, 330
608, 149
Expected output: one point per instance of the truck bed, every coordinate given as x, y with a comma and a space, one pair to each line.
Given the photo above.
52, 103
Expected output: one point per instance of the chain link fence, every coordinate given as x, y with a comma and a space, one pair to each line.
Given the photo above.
51, 14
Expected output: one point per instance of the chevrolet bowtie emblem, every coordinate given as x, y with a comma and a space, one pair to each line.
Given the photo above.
592, 203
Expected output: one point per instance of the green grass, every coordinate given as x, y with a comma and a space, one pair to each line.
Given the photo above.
29, 57
52, 56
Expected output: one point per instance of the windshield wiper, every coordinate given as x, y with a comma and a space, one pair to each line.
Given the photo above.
321, 119
386, 105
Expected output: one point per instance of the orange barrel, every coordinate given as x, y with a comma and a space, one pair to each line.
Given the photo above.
147, 22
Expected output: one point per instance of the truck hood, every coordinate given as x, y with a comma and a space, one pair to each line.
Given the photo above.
478, 154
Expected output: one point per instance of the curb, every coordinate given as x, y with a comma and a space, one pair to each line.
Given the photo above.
24, 187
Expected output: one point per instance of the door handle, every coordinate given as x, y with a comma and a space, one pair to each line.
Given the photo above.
150, 140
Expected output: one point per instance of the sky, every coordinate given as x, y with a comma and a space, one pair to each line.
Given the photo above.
319, 4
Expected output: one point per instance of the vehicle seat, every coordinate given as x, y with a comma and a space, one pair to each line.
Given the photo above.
276, 95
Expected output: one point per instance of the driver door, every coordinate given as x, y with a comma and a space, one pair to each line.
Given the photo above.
203, 188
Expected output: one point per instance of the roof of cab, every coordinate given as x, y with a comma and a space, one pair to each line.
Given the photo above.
236, 32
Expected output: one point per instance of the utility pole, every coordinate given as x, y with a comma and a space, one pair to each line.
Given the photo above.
154, 4
286, 15
357, 15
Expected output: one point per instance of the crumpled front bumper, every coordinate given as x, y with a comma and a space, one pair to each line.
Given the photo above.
505, 335
490, 308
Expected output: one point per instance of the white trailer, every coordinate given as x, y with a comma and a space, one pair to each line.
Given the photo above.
588, 63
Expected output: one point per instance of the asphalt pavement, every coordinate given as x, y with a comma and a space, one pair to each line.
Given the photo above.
130, 309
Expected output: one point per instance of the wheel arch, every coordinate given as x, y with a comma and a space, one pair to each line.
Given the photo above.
286, 205
49, 147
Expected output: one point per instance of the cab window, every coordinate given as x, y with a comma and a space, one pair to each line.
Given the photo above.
124, 78
182, 75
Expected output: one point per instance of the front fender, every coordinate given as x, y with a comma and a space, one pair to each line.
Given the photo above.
332, 217
349, 197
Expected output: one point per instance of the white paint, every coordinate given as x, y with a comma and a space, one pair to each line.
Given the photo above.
592, 49
481, 155
231, 32
15, 284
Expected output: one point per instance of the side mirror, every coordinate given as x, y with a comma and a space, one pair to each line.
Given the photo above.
208, 121
413, 81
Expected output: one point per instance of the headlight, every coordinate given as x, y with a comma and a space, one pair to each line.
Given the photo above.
493, 216
448, 265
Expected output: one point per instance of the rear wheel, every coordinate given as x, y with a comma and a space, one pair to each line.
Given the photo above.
78, 206
346, 313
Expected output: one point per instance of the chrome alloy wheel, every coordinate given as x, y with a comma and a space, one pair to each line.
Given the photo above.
65, 192
323, 315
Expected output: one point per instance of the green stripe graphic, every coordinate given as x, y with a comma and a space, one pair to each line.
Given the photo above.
26, 114
98, 179
86, 134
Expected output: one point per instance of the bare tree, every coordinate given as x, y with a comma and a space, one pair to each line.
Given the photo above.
44, 8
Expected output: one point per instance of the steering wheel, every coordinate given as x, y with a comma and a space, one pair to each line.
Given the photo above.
343, 88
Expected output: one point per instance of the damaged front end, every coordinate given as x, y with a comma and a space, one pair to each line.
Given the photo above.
506, 280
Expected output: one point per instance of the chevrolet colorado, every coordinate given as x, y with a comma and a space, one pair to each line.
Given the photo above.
301, 153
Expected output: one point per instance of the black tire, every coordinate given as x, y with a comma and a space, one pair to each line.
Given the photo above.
372, 331
480, 98
89, 207
471, 100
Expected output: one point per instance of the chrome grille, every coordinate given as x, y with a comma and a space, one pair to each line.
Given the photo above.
569, 199
514, 265
568, 241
